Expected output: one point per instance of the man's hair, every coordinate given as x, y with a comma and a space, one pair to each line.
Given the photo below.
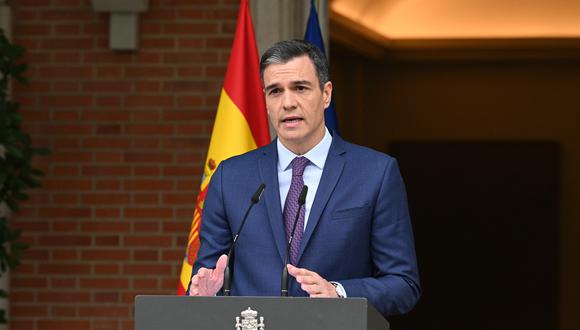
284, 51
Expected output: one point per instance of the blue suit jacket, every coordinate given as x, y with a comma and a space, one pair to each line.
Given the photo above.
358, 232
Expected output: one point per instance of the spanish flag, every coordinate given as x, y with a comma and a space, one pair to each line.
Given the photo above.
241, 123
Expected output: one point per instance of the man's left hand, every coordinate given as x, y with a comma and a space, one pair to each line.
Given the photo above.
311, 282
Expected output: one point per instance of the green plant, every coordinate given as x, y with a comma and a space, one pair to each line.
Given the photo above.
16, 152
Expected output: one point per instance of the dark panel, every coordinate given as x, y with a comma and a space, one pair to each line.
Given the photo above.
486, 219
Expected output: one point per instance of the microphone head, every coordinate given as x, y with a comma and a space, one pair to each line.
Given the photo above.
258, 194
302, 197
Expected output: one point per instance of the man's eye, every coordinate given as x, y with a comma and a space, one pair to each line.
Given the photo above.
274, 91
301, 88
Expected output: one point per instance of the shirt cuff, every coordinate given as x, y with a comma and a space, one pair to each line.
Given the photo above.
339, 289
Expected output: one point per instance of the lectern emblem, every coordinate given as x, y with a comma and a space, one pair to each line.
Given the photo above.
249, 321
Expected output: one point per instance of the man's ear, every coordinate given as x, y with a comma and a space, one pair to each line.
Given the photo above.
327, 93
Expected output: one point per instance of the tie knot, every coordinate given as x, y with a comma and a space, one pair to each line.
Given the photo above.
298, 165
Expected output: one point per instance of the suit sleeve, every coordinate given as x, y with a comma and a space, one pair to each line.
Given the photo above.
215, 233
394, 287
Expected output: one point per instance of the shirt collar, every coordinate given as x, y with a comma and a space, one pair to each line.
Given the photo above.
316, 155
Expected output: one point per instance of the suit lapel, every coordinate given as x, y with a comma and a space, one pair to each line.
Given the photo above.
330, 174
269, 174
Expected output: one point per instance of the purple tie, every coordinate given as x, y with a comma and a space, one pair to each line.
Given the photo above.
291, 207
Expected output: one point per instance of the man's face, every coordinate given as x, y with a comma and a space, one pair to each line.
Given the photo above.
295, 103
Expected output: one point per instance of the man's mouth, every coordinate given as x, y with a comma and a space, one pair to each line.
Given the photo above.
292, 119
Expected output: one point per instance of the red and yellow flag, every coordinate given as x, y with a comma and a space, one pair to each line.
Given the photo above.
241, 123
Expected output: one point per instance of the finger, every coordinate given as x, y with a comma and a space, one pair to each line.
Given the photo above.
195, 280
202, 272
295, 271
221, 263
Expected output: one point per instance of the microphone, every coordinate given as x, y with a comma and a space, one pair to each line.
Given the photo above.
227, 272
301, 201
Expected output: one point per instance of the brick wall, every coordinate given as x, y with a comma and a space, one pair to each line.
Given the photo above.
128, 134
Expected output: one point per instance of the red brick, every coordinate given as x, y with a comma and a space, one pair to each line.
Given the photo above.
106, 170
63, 324
104, 283
63, 296
63, 71
107, 269
191, 43
65, 212
67, 29
66, 86
190, 57
66, 255
109, 71
172, 255
17, 296
95, 29
65, 226
146, 227
157, 43
191, 86
180, 171
149, 72
108, 185
145, 199
63, 283
68, 14
149, 157
66, 184
31, 226
177, 199
101, 213
104, 255
67, 101
109, 129
107, 241
66, 143
147, 255
63, 240
67, 43
65, 198
147, 241
61, 116
108, 101
144, 283
105, 143
107, 86
105, 227
177, 227
149, 101
61, 311
106, 325
146, 213
145, 116
105, 199
189, 101
108, 157
33, 29
149, 269
146, 170
29, 282
190, 28
64, 268
147, 86
106, 297
105, 115
145, 143
68, 58
104, 311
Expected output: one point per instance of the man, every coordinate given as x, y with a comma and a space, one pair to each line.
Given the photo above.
354, 233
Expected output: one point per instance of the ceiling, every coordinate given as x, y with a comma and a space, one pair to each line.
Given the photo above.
463, 19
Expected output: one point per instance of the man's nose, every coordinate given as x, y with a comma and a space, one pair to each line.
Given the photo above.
288, 101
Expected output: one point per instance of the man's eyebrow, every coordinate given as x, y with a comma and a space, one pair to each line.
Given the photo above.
302, 82
271, 86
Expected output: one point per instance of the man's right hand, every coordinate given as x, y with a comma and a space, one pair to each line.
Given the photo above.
207, 282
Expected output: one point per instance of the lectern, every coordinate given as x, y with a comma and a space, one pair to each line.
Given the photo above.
255, 313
